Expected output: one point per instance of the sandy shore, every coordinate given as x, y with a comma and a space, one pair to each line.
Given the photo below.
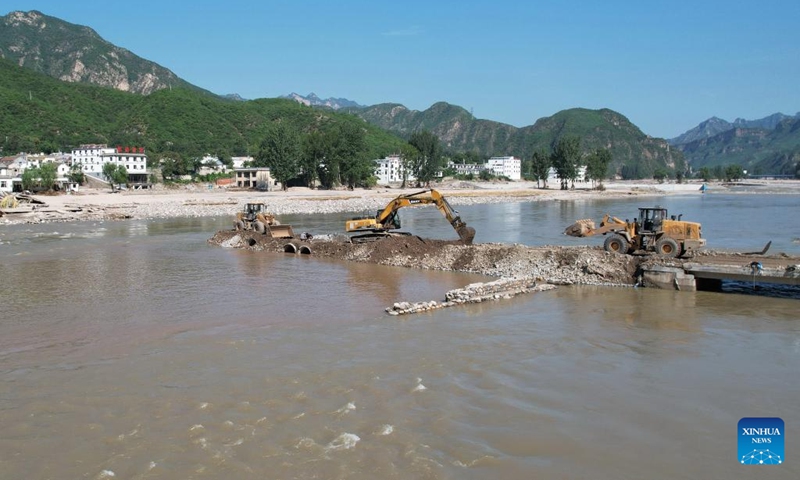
196, 201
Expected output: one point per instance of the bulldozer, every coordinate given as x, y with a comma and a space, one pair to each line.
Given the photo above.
654, 231
254, 216
388, 219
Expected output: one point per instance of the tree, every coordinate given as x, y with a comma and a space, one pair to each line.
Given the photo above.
718, 172
115, 174
313, 157
76, 174
734, 173
660, 175
349, 150
30, 178
705, 174
409, 156
430, 156
566, 158
280, 151
597, 166
48, 173
540, 166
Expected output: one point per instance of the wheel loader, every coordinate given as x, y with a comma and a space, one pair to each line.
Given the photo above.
653, 232
254, 216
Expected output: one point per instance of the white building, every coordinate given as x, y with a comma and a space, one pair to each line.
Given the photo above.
510, 167
91, 158
390, 170
238, 162
554, 182
468, 168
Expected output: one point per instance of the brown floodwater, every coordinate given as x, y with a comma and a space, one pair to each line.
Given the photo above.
135, 350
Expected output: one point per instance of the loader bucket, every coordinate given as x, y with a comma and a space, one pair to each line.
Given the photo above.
466, 234
580, 228
281, 231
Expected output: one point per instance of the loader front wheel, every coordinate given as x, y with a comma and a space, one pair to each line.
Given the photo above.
260, 227
668, 247
238, 225
616, 244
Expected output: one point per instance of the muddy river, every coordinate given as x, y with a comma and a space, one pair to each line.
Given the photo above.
136, 350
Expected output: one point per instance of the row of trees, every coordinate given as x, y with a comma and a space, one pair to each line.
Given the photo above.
339, 156
728, 173
567, 158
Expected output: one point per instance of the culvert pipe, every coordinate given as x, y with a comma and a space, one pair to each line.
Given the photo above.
251, 242
290, 248
305, 250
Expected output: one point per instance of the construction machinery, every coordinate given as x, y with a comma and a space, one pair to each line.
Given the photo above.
388, 218
654, 231
254, 216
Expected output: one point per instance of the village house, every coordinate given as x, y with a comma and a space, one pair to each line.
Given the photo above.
256, 177
468, 168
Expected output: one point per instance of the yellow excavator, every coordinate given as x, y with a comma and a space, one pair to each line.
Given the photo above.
653, 231
388, 218
254, 216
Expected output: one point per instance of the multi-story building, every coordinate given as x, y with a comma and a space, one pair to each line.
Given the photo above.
93, 157
510, 167
256, 177
390, 170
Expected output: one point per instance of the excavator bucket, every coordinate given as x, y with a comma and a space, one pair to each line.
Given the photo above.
466, 234
280, 231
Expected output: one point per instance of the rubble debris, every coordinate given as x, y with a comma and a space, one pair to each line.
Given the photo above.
503, 288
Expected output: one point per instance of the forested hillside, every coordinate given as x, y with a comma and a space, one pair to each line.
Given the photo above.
634, 154
40, 113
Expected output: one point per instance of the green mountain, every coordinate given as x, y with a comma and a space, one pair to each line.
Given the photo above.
758, 150
74, 53
185, 118
635, 155
44, 114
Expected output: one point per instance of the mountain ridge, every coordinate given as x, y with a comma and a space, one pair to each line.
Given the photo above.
78, 54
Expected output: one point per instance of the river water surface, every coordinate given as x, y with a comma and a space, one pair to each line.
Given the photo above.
136, 350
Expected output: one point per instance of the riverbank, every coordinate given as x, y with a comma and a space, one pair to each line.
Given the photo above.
194, 201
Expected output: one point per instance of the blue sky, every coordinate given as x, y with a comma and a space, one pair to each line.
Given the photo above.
667, 66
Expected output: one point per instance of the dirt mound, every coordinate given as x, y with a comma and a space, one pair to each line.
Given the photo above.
558, 265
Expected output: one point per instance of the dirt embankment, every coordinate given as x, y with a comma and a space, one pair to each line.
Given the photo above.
555, 265
552, 264
519, 268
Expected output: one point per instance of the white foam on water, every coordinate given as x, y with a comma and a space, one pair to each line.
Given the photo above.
299, 415
196, 427
305, 442
420, 387
151, 466
106, 474
345, 441
347, 408
236, 443
386, 430
203, 405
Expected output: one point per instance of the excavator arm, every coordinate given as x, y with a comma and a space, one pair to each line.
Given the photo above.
385, 220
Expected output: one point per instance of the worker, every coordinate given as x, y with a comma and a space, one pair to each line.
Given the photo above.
756, 268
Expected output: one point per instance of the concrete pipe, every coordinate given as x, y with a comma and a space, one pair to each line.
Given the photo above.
305, 250
290, 248
251, 242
